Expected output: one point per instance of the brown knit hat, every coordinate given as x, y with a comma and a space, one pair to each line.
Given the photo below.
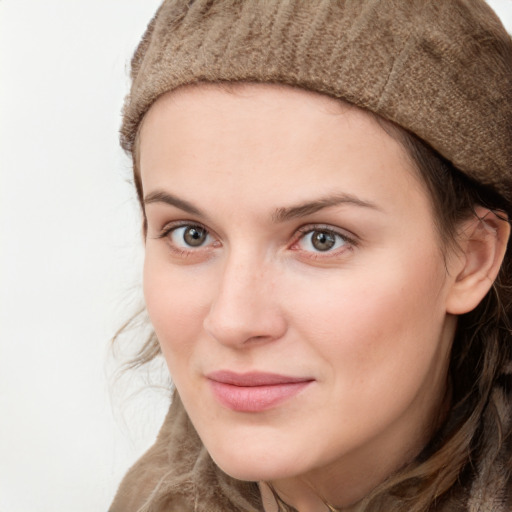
442, 69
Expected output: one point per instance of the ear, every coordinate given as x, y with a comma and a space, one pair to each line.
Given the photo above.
483, 242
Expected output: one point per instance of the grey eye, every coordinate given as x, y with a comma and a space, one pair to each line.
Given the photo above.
194, 236
189, 236
323, 240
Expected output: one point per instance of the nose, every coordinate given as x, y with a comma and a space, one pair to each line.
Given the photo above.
245, 309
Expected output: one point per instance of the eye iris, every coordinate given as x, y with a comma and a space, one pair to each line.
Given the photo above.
194, 236
323, 240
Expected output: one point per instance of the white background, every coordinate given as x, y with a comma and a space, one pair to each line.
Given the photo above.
70, 254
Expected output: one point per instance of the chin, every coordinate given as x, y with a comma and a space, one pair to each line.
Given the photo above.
251, 473
254, 465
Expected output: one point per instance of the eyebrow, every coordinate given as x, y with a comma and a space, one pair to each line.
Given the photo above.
310, 207
280, 214
159, 196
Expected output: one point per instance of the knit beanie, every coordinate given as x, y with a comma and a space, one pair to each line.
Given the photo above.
441, 69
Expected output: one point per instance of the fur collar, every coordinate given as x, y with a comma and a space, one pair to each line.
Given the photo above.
177, 473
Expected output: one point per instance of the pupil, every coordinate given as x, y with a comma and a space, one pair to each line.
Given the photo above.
195, 236
323, 241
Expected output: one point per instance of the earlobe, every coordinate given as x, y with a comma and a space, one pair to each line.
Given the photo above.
483, 242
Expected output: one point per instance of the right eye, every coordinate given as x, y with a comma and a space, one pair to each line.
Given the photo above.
189, 236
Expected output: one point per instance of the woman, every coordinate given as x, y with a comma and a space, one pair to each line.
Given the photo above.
326, 188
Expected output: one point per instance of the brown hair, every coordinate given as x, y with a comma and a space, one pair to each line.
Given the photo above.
481, 352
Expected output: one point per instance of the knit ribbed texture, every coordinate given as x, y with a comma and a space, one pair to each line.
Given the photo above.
439, 68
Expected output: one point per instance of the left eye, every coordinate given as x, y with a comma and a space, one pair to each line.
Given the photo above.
321, 240
189, 236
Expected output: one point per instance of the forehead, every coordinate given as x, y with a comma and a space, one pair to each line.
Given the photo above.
261, 141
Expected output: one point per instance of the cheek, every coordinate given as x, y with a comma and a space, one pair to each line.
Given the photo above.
373, 321
176, 303
376, 338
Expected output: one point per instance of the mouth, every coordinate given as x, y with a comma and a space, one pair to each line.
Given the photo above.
254, 391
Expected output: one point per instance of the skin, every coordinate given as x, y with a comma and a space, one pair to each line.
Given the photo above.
369, 321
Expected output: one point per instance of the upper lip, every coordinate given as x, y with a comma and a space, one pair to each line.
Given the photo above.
249, 379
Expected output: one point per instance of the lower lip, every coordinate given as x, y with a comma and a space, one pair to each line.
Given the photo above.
255, 398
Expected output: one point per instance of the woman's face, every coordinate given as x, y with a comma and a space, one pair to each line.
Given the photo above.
296, 283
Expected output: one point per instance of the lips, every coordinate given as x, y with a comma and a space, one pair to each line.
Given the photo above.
254, 391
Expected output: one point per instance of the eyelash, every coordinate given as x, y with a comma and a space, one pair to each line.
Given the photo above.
168, 230
349, 242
